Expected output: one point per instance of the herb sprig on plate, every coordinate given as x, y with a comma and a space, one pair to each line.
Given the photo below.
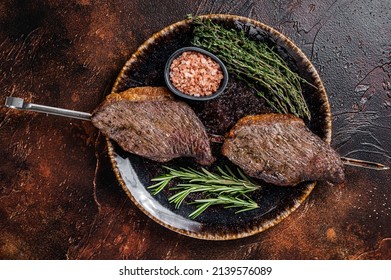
256, 63
221, 188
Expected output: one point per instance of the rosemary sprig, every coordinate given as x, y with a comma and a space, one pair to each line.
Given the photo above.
228, 202
255, 63
222, 188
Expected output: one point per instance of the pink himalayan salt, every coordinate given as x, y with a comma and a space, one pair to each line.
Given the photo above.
195, 74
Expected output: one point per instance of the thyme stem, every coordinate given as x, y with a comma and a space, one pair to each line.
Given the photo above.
255, 63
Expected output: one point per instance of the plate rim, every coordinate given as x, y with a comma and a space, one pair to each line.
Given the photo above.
327, 129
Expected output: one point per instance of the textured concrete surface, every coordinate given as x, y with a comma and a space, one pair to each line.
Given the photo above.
59, 197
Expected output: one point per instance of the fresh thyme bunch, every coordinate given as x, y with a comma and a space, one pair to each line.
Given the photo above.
222, 188
255, 63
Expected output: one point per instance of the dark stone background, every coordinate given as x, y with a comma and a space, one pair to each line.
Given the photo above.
59, 198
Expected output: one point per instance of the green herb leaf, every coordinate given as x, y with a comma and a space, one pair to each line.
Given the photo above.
227, 201
222, 188
255, 63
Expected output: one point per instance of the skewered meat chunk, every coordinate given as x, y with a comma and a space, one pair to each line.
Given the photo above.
281, 150
147, 121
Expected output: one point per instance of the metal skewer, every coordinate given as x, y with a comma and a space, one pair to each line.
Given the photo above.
364, 164
347, 161
18, 103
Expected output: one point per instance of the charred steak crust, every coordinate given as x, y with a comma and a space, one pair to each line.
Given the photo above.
281, 150
149, 122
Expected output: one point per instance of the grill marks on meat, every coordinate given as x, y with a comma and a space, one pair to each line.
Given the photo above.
281, 150
148, 122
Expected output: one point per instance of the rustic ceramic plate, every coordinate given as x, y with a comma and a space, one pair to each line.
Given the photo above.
145, 68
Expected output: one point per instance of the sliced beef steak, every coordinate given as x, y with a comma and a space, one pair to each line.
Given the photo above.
281, 150
147, 121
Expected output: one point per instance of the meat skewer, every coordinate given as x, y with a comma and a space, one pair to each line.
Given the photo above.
146, 121
215, 138
281, 150
18, 103
149, 122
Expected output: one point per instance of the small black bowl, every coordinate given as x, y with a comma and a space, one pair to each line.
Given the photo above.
177, 53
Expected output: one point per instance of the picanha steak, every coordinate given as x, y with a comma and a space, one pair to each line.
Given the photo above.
281, 150
149, 122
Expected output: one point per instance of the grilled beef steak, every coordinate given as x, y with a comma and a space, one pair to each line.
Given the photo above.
147, 121
281, 150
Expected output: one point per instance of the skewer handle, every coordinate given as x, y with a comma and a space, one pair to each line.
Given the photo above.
18, 103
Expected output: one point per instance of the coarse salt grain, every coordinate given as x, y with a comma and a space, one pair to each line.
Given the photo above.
195, 74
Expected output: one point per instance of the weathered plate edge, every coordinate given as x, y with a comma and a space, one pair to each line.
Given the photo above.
327, 127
